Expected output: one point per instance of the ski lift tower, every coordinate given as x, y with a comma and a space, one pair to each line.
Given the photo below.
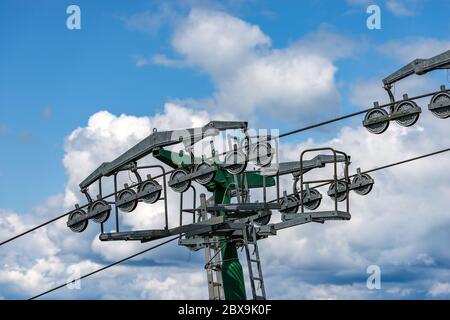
219, 225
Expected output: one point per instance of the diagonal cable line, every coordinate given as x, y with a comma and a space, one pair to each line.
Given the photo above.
393, 164
37, 227
105, 267
408, 160
350, 115
69, 212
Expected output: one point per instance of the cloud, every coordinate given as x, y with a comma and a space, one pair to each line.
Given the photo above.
364, 92
306, 291
181, 284
440, 289
216, 41
167, 62
11, 224
151, 21
140, 61
403, 8
326, 42
164, 13
253, 79
26, 264
282, 85
38, 276
408, 49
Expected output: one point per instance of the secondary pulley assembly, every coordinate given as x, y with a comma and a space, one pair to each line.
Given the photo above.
338, 191
235, 163
204, 173
310, 197
440, 104
406, 112
78, 220
180, 180
148, 192
98, 211
362, 183
261, 153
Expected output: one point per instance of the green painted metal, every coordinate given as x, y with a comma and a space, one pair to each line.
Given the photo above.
173, 159
232, 274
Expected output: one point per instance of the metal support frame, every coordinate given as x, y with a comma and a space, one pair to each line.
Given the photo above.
158, 140
335, 178
419, 67
106, 207
243, 211
243, 223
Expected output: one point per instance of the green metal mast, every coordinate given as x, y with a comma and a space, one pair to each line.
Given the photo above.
221, 186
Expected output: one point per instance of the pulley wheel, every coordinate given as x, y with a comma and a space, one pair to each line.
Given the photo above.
312, 204
206, 178
264, 219
179, 186
102, 206
291, 203
150, 186
309, 204
79, 226
235, 162
341, 192
410, 119
441, 98
125, 195
380, 127
364, 178
262, 154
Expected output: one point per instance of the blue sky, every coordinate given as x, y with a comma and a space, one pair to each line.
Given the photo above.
52, 80
73, 74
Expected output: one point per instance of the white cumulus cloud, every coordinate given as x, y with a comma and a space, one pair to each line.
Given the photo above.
253, 79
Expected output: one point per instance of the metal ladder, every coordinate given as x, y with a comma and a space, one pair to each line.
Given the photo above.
213, 266
256, 276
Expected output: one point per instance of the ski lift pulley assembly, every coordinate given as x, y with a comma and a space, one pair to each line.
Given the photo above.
406, 112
